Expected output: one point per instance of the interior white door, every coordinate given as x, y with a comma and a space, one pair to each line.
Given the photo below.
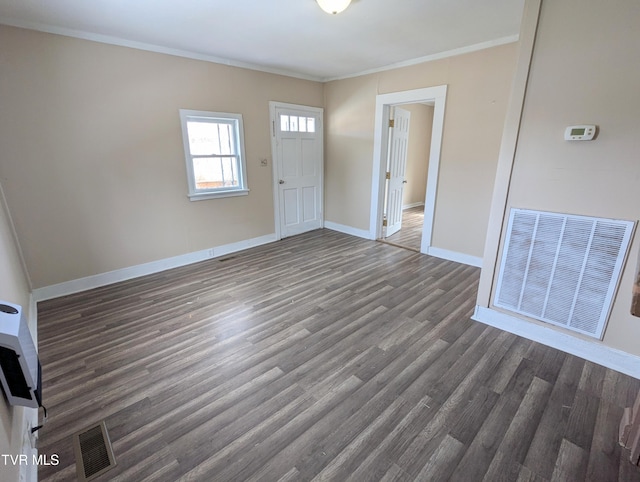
396, 168
298, 169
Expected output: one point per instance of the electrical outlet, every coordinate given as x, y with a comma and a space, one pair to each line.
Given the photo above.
30, 437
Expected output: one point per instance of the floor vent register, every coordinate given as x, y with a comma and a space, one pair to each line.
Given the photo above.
94, 454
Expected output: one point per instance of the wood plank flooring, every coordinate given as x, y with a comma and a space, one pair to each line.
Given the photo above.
410, 236
320, 357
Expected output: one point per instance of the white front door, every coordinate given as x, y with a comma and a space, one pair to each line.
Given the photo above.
396, 168
298, 168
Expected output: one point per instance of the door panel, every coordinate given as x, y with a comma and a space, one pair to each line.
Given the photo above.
309, 203
309, 160
396, 167
290, 205
289, 158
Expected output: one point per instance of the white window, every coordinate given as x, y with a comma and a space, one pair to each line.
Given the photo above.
294, 123
214, 151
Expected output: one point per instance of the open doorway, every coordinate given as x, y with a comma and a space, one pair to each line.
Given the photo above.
435, 96
407, 168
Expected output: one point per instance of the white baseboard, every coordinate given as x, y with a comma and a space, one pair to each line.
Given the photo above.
412, 205
592, 351
103, 279
454, 256
341, 228
437, 252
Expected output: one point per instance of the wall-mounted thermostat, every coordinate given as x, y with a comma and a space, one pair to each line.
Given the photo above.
579, 133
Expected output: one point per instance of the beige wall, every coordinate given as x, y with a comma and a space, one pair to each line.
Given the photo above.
92, 158
94, 166
14, 288
584, 70
479, 85
417, 153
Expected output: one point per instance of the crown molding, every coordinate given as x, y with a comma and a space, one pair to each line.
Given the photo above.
111, 40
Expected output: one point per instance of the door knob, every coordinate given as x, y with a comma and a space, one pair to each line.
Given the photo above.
404, 182
280, 181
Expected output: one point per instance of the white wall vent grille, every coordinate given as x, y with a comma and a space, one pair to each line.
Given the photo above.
562, 269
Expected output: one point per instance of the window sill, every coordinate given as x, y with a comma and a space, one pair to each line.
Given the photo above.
213, 195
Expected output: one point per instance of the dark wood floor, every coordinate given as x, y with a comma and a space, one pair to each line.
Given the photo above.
410, 236
323, 357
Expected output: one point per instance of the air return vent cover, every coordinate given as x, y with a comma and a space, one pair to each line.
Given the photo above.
94, 454
562, 269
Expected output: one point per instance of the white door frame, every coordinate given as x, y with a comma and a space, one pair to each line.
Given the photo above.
273, 105
437, 95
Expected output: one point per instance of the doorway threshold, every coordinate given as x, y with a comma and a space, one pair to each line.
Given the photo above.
380, 240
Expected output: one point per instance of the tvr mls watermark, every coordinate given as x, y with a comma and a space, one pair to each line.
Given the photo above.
23, 459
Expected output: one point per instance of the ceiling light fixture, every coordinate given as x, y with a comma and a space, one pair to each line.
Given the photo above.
333, 6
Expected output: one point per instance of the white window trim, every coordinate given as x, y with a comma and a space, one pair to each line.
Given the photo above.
202, 194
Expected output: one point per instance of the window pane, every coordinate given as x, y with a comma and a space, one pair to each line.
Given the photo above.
203, 138
229, 174
284, 123
206, 138
215, 172
226, 139
302, 124
311, 124
293, 123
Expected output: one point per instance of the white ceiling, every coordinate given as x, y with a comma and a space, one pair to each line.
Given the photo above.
293, 37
